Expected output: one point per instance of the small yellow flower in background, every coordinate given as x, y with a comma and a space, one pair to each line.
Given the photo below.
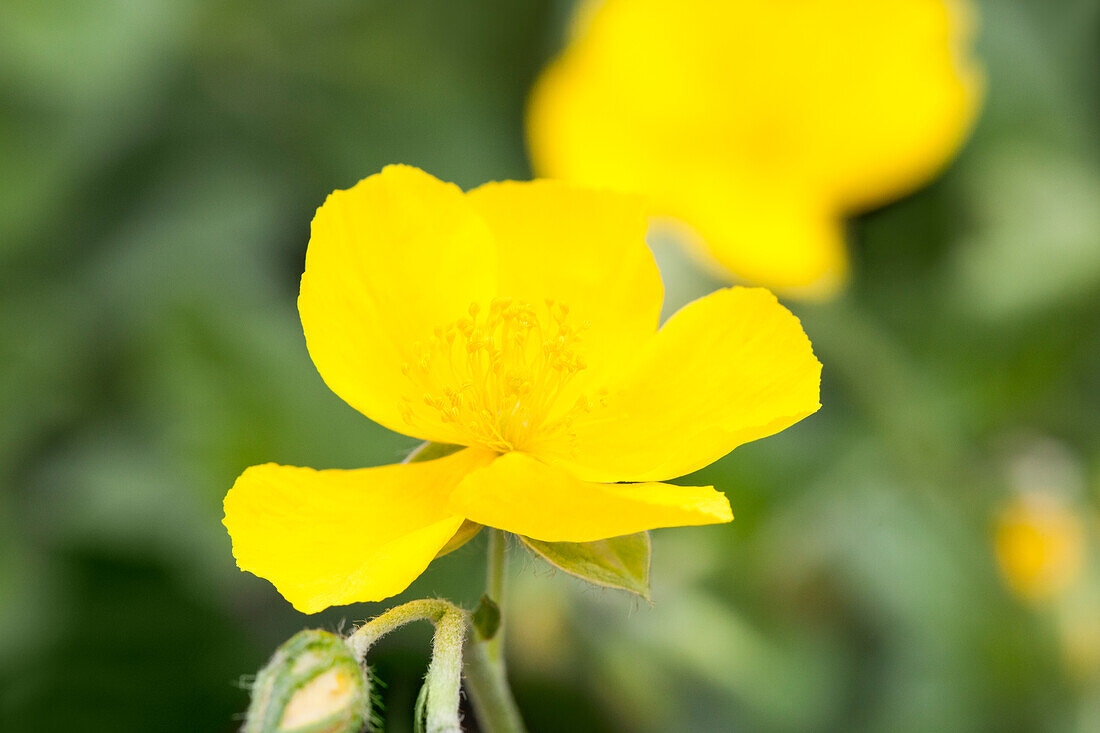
760, 124
1040, 545
519, 320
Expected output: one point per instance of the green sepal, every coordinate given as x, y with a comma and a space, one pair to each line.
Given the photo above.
618, 562
315, 678
486, 618
430, 451
466, 532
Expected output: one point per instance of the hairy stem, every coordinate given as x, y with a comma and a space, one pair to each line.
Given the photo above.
427, 609
443, 683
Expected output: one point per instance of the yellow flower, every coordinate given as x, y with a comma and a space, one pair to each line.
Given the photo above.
1039, 544
520, 320
759, 123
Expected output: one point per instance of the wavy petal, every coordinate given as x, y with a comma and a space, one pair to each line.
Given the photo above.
729, 368
521, 494
327, 538
390, 260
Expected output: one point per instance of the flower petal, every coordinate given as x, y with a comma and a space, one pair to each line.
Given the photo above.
327, 538
389, 260
584, 248
521, 494
729, 368
921, 82
854, 102
805, 253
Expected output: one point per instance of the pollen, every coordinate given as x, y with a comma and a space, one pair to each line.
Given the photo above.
501, 376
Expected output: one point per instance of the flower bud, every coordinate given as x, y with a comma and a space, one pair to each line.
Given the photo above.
313, 684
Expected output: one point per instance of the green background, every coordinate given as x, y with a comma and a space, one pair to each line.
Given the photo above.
161, 161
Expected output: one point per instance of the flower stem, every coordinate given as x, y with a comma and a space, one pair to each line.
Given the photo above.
494, 588
427, 609
489, 692
486, 677
440, 697
443, 683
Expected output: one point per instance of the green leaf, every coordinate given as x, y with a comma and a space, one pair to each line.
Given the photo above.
486, 618
619, 562
430, 451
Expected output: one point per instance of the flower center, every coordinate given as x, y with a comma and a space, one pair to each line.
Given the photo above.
500, 376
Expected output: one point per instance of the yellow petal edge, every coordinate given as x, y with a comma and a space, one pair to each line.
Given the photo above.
327, 538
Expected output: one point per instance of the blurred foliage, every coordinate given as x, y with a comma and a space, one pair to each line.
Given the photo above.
162, 161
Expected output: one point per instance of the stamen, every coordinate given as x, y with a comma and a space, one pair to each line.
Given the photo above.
499, 375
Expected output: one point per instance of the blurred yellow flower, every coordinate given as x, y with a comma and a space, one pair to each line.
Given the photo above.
759, 123
520, 320
1039, 543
